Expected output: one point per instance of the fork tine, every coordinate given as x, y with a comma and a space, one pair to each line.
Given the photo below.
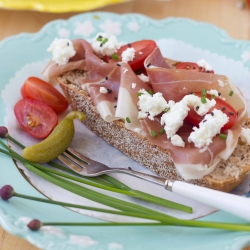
68, 163
80, 156
75, 160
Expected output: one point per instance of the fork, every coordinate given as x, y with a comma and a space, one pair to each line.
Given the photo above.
237, 205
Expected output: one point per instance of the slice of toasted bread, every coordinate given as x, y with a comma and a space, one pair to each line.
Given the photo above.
226, 176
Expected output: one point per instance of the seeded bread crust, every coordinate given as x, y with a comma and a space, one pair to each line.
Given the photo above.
227, 175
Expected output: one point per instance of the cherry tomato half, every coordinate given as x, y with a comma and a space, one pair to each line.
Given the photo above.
226, 108
193, 67
35, 117
142, 48
37, 89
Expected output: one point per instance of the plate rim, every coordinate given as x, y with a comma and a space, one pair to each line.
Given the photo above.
8, 40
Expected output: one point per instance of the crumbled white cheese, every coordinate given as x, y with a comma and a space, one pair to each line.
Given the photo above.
105, 45
176, 140
151, 105
208, 128
133, 85
173, 119
245, 135
199, 107
125, 70
143, 77
140, 52
213, 92
221, 83
128, 55
62, 50
203, 63
103, 90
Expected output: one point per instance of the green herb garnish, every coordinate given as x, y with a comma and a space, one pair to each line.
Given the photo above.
231, 93
203, 99
223, 136
105, 40
204, 92
162, 131
153, 133
150, 92
128, 120
115, 57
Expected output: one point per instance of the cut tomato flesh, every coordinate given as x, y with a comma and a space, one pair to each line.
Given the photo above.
35, 117
142, 48
37, 89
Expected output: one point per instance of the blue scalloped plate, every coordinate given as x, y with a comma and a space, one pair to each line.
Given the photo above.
203, 39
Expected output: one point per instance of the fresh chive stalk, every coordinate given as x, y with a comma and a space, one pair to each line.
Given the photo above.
100, 184
169, 222
148, 197
93, 195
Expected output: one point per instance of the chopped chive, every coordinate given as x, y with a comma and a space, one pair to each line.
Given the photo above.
213, 96
150, 92
105, 40
166, 110
99, 39
128, 120
140, 93
231, 93
203, 99
153, 133
204, 92
115, 57
223, 136
162, 131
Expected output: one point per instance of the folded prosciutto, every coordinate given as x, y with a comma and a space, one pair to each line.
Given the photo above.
115, 90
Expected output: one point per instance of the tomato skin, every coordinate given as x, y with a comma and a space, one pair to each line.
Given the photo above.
35, 117
37, 89
142, 48
193, 66
226, 108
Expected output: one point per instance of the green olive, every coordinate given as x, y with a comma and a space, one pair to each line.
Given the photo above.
56, 143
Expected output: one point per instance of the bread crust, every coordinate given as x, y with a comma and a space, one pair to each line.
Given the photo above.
141, 150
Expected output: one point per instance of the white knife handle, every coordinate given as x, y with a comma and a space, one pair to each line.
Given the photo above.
237, 205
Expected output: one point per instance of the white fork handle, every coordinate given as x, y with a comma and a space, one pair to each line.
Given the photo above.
237, 205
